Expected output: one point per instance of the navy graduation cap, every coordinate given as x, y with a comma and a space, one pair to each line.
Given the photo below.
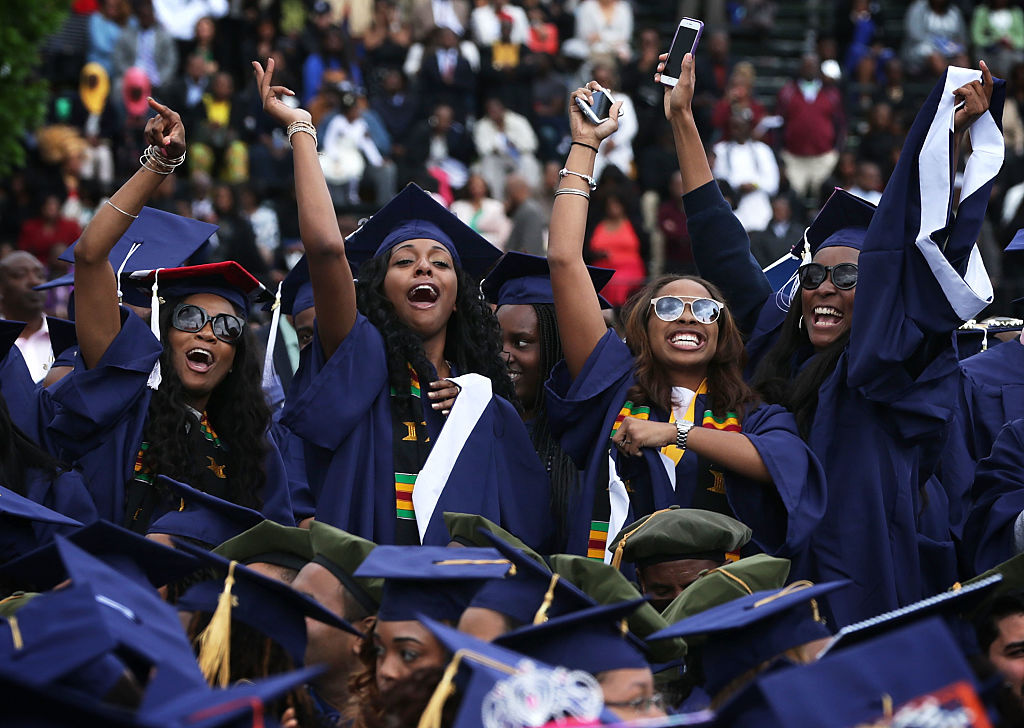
17, 516
519, 278
842, 220
593, 640
267, 605
297, 289
753, 629
413, 214
435, 581
1017, 244
227, 279
203, 517
9, 333
137, 558
62, 336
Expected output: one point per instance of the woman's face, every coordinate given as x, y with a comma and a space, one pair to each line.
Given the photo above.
684, 344
200, 359
422, 286
402, 648
827, 310
629, 693
520, 345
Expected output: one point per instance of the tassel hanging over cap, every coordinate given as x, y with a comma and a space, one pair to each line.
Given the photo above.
275, 322
154, 326
215, 640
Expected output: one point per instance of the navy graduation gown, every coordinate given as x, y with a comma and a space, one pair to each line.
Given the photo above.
582, 412
343, 416
21, 394
98, 417
998, 499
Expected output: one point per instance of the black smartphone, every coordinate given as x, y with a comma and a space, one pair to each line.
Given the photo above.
685, 41
597, 112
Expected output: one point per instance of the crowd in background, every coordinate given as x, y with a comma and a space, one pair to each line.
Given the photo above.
467, 99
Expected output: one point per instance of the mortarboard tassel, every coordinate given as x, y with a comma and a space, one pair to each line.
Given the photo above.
617, 557
431, 715
549, 596
215, 640
154, 326
268, 359
12, 622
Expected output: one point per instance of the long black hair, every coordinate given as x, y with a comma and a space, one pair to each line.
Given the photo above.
18, 454
236, 410
780, 380
472, 343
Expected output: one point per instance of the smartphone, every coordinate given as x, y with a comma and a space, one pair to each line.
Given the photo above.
598, 111
685, 41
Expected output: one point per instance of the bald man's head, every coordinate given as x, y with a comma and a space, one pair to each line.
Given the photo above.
19, 273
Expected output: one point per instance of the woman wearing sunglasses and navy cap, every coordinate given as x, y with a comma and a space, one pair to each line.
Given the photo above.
862, 356
684, 427
181, 396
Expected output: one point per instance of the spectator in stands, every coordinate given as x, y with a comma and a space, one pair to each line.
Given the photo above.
934, 36
869, 183
606, 26
749, 167
48, 229
19, 273
446, 76
616, 150
482, 212
639, 84
778, 236
548, 92
997, 31
442, 147
146, 45
614, 243
208, 46
543, 35
334, 54
1013, 112
105, 28
713, 73
506, 144
426, 16
397, 106
348, 150
235, 238
263, 219
219, 149
529, 223
485, 21
860, 31
678, 257
879, 144
186, 92
387, 39
506, 68
738, 99
812, 112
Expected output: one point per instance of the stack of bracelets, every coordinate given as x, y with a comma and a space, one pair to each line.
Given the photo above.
303, 126
155, 161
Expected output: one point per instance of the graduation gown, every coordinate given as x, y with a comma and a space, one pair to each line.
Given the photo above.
97, 418
998, 499
582, 413
20, 393
343, 416
64, 493
890, 400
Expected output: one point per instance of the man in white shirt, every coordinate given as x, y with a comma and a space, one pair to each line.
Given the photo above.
486, 25
750, 168
506, 144
19, 273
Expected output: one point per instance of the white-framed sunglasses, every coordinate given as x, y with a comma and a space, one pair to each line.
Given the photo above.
671, 308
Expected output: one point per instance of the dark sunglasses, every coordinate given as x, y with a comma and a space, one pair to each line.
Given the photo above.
670, 308
812, 275
191, 318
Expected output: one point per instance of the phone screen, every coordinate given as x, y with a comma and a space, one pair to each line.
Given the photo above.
602, 105
681, 45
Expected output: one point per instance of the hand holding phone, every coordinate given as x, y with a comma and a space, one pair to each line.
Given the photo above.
597, 112
685, 41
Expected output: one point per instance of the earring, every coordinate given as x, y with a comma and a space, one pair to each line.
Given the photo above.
800, 323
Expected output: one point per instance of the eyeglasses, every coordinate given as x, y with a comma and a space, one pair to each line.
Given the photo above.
191, 318
670, 308
643, 704
812, 275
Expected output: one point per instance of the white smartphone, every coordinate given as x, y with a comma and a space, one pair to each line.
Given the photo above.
598, 113
685, 41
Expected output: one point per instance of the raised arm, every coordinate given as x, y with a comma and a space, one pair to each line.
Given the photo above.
95, 284
580, 323
334, 292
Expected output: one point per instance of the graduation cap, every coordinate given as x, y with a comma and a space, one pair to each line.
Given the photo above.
264, 604
17, 516
134, 557
203, 517
674, 534
593, 640
520, 278
1017, 244
843, 220
413, 214
468, 529
269, 543
341, 553
913, 676
754, 629
62, 336
533, 594
297, 289
9, 333
435, 581
974, 337
759, 572
1012, 571
962, 599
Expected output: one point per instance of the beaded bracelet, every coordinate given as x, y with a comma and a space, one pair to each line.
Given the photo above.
300, 126
591, 182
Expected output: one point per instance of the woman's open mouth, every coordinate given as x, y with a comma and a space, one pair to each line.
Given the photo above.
423, 295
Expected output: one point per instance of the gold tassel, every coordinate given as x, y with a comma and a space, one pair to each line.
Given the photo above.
431, 716
617, 557
542, 614
215, 640
15, 632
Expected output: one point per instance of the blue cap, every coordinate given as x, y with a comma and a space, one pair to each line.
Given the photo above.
9, 333
435, 581
843, 220
753, 629
413, 214
520, 278
227, 279
17, 534
593, 640
530, 595
297, 289
134, 557
269, 606
62, 335
203, 517
1017, 244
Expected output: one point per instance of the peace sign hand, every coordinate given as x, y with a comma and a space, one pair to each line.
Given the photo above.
165, 131
271, 95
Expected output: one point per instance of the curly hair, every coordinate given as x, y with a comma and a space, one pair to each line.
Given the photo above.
18, 454
236, 409
727, 390
472, 341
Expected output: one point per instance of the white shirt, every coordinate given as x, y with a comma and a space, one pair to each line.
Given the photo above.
37, 352
446, 17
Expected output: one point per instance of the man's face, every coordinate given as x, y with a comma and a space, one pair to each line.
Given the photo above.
1007, 651
18, 274
665, 581
325, 644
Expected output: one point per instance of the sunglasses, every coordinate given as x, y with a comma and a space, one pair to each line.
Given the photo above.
191, 318
670, 308
812, 275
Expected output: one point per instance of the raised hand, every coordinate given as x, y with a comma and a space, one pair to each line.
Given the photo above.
975, 97
271, 95
580, 128
165, 130
678, 98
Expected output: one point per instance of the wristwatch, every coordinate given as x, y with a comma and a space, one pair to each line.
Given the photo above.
682, 432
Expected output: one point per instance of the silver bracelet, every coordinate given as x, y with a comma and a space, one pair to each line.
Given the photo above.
300, 126
572, 191
126, 214
591, 182
154, 162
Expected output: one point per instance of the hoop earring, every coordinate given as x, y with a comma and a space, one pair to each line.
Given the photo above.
800, 323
